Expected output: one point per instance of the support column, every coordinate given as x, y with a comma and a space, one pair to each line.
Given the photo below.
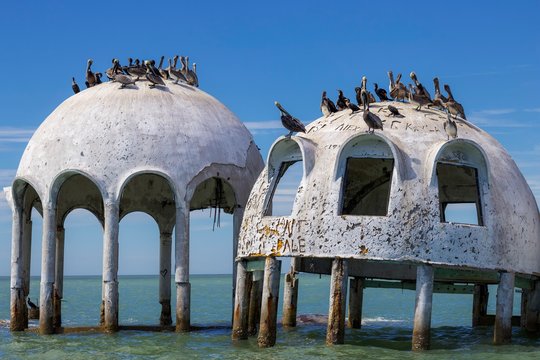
335, 332
18, 299
27, 254
503, 316
165, 248
422, 312
533, 308
356, 298
255, 297
238, 215
59, 277
270, 295
290, 297
480, 303
110, 266
48, 260
183, 287
241, 301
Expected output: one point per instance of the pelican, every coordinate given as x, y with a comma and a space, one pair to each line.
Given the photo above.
372, 121
452, 105
381, 93
290, 122
110, 72
174, 74
439, 99
151, 76
416, 97
421, 90
90, 76
370, 96
74, 86
191, 77
398, 90
162, 72
327, 106
450, 127
341, 101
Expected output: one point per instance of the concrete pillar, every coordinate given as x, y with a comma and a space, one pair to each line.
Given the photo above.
255, 297
18, 299
48, 260
503, 315
59, 277
241, 301
238, 215
480, 303
270, 295
183, 287
110, 266
335, 332
27, 255
422, 312
165, 248
356, 298
533, 308
290, 297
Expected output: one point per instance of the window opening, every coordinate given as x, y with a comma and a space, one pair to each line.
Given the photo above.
285, 188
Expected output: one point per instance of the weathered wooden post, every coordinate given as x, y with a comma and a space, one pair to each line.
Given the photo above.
270, 295
48, 257
241, 302
422, 312
356, 297
290, 297
18, 299
533, 308
59, 277
183, 287
165, 248
335, 332
503, 316
110, 266
480, 303
255, 297
27, 255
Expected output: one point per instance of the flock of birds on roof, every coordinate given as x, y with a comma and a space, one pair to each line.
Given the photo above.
137, 70
416, 94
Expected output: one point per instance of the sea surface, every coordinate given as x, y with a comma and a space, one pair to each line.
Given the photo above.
385, 334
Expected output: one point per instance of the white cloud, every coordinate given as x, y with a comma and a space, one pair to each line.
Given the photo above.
533, 110
263, 125
494, 111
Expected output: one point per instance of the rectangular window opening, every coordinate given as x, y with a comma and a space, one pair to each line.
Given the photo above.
459, 196
285, 188
366, 186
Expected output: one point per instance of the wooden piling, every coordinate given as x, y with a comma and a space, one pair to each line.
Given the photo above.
503, 316
255, 297
270, 295
533, 308
183, 287
165, 248
18, 298
480, 304
422, 313
335, 332
59, 277
290, 297
356, 297
241, 302
110, 267
48, 259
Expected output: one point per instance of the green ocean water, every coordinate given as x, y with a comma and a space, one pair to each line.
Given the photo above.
385, 334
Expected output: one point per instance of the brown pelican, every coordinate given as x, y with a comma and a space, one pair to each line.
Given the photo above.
31, 304
290, 122
190, 75
174, 74
113, 69
327, 106
341, 105
397, 90
450, 127
381, 93
162, 72
421, 90
354, 108
151, 76
452, 105
74, 86
394, 111
372, 121
439, 99
136, 70
90, 76
415, 97
370, 96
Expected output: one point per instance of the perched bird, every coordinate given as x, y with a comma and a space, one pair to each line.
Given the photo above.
381, 93
370, 96
124, 80
110, 72
190, 75
136, 69
439, 98
420, 89
352, 106
31, 304
415, 97
450, 127
164, 74
397, 90
194, 67
394, 111
341, 105
290, 122
151, 76
327, 106
174, 74
372, 121
90, 76
452, 106
98, 78
74, 86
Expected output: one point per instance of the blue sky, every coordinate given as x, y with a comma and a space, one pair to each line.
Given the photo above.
250, 54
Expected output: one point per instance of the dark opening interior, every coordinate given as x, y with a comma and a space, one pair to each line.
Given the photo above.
285, 188
366, 189
459, 197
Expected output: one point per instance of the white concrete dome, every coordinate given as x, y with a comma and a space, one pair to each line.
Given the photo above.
400, 214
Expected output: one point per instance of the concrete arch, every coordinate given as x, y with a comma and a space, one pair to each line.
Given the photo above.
290, 149
207, 188
64, 175
126, 179
19, 189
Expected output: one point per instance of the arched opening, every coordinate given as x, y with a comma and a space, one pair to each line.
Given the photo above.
285, 172
461, 175
366, 166
148, 215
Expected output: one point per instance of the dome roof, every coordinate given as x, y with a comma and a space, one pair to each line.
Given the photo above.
108, 134
423, 172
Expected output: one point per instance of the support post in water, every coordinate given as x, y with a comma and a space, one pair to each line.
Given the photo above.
356, 297
290, 297
480, 303
422, 313
255, 297
165, 248
335, 332
241, 302
59, 277
48, 259
533, 308
267, 327
183, 287
503, 316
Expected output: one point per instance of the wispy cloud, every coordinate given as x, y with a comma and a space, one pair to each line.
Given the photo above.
263, 125
533, 110
491, 118
8, 134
